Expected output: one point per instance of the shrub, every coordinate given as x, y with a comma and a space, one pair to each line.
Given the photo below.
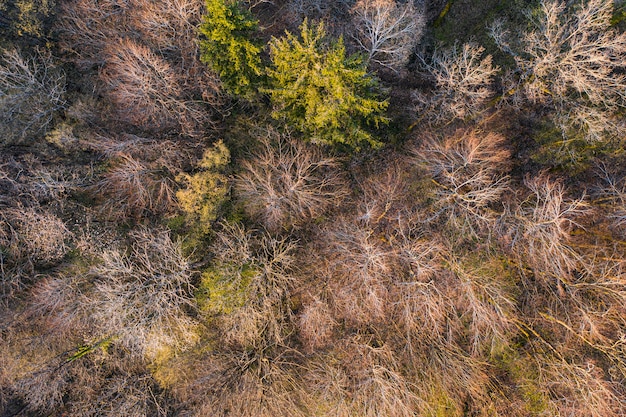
322, 93
358, 267
286, 183
34, 236
207, 189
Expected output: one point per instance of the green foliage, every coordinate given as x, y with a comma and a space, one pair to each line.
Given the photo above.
206, 190
320, 91
227, 47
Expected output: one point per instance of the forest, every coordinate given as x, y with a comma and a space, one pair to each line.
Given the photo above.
298, 208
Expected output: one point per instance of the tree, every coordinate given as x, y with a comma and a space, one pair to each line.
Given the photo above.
463, 83
31, 92
149, 90
467, 169
141, 297
388, 30
287, 183
227, 47
572, 61
322, 93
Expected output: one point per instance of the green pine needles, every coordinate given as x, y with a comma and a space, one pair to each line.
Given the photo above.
321, 92
227, 46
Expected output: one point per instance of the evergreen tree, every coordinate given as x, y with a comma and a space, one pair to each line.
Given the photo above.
227, 46
320, 91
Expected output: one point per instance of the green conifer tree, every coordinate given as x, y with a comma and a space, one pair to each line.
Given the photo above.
320, 91
227, 46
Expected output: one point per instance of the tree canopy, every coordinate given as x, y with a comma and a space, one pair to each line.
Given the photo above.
320, 91
227, 45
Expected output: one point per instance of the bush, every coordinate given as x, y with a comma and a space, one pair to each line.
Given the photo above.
131, 188
322, 93
541, 228
206, 190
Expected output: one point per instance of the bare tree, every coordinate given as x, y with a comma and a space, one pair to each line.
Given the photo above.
149, 90
388, 30
140, 298
466, 168
359, 267
169, 26
288, 182
572, 60
133, 188
249, 286
541, 226
614, 191
87, 26
463, 79
31, 92
29, 239
157, 82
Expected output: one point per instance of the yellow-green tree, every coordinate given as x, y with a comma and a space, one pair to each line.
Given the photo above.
205, 190
320, 91
227, 46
